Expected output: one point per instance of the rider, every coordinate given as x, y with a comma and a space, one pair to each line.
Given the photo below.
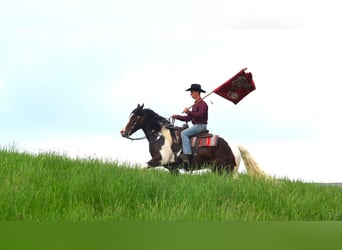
199, 118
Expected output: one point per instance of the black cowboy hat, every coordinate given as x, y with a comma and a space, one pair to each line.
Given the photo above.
195, 87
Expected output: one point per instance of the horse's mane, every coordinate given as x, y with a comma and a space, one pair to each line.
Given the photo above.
156, 121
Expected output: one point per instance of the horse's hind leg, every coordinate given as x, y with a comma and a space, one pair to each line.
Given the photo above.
222, 168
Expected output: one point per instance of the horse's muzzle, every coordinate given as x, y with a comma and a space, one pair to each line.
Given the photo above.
123, 133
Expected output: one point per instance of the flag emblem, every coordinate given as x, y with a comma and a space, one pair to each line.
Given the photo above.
236, 88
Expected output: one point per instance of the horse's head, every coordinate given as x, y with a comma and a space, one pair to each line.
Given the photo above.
136, 121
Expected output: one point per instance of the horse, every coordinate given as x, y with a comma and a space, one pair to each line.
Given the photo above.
164, 146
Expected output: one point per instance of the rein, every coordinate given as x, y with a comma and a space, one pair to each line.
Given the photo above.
136, 139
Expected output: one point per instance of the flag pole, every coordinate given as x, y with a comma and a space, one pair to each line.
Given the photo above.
200, 99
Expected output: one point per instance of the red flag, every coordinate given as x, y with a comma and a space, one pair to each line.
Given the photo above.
237, 87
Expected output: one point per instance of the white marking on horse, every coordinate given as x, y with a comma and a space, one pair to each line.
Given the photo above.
144, 166
237, 156
195, 172
161, 168
167, 156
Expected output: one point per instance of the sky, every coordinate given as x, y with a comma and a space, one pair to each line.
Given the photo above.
72, 71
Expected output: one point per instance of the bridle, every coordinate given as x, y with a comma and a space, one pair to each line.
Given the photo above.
171, 121
135, 139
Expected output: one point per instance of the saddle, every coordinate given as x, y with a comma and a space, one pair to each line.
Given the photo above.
202, 134
202, 139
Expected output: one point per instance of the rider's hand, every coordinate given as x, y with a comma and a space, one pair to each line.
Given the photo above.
186, 110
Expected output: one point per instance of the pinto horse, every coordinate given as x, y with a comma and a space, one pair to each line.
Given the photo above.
164, 145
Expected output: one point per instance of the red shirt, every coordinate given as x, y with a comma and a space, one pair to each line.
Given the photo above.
197, 115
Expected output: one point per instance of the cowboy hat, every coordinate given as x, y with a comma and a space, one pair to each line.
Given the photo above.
195, 87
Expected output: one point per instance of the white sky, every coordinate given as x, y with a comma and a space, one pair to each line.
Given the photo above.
72, 71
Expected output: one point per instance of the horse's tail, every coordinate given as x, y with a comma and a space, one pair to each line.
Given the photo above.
251, 164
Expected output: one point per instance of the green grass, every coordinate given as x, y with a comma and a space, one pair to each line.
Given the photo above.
51, 187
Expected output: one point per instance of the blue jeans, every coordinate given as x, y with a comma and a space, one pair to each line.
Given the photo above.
185, 135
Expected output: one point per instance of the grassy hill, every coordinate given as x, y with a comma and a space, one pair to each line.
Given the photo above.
51, 187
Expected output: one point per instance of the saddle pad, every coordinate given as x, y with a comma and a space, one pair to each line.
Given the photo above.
210, 141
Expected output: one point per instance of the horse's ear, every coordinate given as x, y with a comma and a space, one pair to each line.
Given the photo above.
142, 106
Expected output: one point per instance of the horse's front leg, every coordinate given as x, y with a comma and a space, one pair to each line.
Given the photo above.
154, 162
